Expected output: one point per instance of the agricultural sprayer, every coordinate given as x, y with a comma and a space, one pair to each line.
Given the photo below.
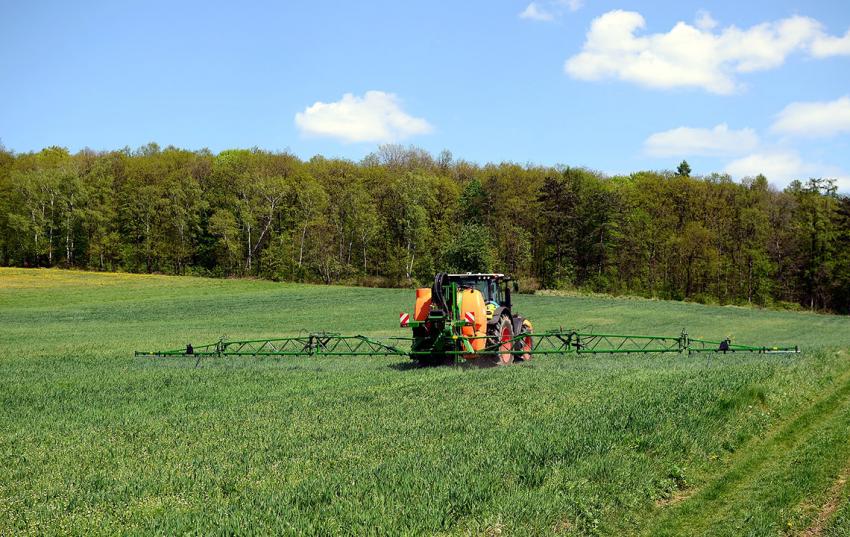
466, 318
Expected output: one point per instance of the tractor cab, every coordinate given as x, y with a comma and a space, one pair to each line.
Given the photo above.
494, 288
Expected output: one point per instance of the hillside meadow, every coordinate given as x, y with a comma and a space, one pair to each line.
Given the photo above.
96, 441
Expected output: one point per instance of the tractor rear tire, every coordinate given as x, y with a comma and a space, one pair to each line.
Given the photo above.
525, 344
503, 335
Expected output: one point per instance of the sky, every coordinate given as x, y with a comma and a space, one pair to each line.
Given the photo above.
616, 86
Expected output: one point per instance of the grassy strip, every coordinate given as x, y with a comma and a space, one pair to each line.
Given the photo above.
825, 515
839, 524
770, 486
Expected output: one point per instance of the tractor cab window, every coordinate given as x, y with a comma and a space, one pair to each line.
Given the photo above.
495, 292
489, 289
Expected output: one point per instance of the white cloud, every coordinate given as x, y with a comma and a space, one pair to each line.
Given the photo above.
781, 167
777, 166
705, 21
694, 56
375, 117
536, 13
689, 141
549, 10
826, 45
814, 119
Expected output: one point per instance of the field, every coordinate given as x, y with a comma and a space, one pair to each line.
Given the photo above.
96, 441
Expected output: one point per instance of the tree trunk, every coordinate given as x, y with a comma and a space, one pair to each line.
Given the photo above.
412, 254
50, 234
601, 252
248, 266
266, 227
69, 235
750, 280
35, 234
147, 245
301, 249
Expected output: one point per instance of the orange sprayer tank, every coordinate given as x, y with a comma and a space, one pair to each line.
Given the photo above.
423, 304
471, 300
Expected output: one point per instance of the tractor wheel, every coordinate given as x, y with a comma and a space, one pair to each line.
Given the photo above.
525, 344
502, 335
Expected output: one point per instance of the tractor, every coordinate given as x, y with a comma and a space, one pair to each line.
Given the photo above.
471, 316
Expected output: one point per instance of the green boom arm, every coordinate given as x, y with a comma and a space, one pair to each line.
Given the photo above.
549, 342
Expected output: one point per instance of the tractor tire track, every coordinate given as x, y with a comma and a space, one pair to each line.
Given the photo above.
828, 509
695, 513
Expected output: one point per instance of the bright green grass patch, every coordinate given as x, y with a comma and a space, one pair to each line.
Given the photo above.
93, 440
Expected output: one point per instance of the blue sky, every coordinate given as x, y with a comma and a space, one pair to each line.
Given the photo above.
617, 86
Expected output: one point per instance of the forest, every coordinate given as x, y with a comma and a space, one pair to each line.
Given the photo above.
401, 214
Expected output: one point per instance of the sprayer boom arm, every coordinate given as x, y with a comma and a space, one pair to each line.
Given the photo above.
556, 342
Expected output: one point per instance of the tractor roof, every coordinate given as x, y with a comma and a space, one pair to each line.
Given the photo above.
481, 276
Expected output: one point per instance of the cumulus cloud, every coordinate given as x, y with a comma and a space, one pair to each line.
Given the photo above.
814, 119
689, 141
695, 56
778, 166
375, 117
826, 46
705, 21
783, 166
549, 10
536, 12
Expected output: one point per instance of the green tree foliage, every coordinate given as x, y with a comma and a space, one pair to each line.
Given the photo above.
817, 234
558, 229
841, 280
473, 203
470, 250
224, 227
399, 215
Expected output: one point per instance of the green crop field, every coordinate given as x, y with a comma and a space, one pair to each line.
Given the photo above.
96, 441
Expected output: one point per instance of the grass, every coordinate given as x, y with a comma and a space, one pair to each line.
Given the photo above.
95, 441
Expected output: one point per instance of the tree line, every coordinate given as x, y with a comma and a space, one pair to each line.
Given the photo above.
401, 214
